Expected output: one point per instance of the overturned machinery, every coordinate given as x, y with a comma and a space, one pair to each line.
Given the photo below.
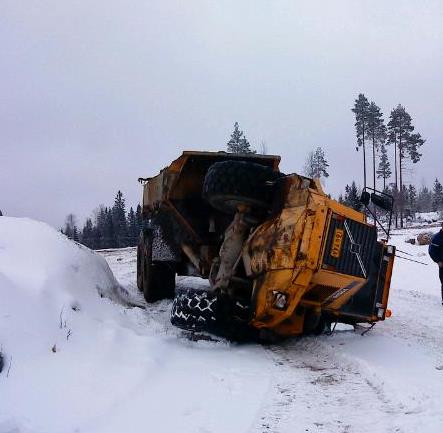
280, 256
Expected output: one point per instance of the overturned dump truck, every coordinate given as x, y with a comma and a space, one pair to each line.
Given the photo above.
281, 257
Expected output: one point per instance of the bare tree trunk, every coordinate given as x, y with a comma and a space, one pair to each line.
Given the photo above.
364, 164
396, 184
401, 181
364, 152
373, 169
373, 158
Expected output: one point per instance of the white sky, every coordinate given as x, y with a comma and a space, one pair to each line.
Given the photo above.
96, 94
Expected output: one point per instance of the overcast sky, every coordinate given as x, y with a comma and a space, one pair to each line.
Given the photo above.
95, 94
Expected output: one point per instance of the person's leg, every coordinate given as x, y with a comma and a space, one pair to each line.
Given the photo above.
440, 274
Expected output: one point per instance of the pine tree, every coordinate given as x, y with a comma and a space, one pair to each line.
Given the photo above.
424, 200
238, 142
97, 238
119, 221
361, 111
87, 235
132, 228
316, 164
75, 234
412, 197
70, 229
406, 145
437, 196
100, 224
139, 220
376, 130
352, 197
109, 239
384, 166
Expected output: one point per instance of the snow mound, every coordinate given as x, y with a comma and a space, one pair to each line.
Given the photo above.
47, 282
75, 361
428, 217
44, 279
43, 262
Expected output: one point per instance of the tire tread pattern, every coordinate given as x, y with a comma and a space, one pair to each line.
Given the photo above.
195, 310
239, 180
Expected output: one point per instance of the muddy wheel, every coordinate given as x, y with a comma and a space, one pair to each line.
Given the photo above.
155, 279
230, 184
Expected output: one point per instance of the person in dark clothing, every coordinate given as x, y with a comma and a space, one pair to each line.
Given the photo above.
436, 253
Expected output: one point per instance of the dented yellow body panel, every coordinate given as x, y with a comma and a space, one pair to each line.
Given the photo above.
285, 254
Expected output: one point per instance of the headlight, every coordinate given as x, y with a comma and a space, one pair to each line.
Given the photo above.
280, 300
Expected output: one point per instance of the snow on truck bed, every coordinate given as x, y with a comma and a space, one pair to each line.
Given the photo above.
79, 362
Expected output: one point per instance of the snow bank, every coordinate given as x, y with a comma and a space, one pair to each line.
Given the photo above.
44, 280
77, 362
428, 217
47, 285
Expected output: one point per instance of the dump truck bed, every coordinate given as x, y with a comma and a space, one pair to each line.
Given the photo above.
184, 176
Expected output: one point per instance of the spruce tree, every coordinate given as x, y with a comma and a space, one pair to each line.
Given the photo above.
109, 239
238, 142
384, 166
139, 219
361, 111
437, 196
100, 223
376, 131
87, 235
412, 197
70, 229
352, 197
316, 164
119, 221
406, 146
424, 200
75, 234
133, 231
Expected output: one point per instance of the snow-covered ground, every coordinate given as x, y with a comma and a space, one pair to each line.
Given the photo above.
118, 368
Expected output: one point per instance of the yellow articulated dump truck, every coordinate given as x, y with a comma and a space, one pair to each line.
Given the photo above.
281, 257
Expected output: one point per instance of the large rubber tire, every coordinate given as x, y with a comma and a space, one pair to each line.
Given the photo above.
195, 310
229, 184
155, 279
315, 324
140, 260
199, 310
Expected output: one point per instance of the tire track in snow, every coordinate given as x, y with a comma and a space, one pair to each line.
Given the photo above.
321, 385
315, 390
419, 321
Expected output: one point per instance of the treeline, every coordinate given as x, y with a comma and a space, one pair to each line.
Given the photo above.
110, 227
422, 199
398, 134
